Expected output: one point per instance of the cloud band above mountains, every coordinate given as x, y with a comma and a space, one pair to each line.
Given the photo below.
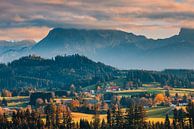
155, 19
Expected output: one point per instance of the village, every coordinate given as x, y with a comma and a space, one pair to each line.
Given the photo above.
157, 100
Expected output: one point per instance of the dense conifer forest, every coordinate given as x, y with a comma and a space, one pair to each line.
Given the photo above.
59, 72
62, 71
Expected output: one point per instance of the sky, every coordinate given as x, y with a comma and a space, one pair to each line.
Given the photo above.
32, 19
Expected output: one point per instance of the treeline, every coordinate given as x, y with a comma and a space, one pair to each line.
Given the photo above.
59, 117
174, 78
60, 72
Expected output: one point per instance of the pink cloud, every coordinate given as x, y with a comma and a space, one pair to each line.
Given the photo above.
34, 33
148, 17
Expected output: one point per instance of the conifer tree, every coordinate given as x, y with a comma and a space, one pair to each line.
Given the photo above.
167, 122
190, 110
109, 118
96, 120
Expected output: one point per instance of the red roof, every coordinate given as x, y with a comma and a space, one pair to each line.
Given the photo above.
113, 88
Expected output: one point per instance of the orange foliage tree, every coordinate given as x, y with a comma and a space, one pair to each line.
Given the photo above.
159, 98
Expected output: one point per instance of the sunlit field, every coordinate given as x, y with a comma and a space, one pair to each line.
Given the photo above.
89, 117
77, 116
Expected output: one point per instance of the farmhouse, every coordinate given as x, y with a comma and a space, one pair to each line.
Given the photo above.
112, 88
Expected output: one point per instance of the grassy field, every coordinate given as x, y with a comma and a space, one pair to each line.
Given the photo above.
15, 98
159, 112
118, 82
18, 101
77, 116
18, 104
158, 120
153, 115
180, 91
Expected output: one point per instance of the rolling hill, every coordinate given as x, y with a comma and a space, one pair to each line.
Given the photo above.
59, 72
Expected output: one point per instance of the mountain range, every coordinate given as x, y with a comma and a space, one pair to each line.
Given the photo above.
113, 47
10, 50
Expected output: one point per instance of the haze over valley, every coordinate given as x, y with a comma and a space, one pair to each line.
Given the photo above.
113, 47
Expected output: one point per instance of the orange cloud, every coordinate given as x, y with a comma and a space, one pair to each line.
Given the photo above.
35, 33
49, 1
148, 17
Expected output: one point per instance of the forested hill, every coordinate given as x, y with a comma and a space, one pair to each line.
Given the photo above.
62, 71
181, 78
59, 72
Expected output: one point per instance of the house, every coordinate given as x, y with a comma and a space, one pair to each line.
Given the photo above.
112, 88
183, 104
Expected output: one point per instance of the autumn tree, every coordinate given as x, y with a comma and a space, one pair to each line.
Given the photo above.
159, 98
190, 110
6, 93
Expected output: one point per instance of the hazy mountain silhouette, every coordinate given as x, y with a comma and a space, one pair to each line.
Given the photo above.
120, 49
10, 50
